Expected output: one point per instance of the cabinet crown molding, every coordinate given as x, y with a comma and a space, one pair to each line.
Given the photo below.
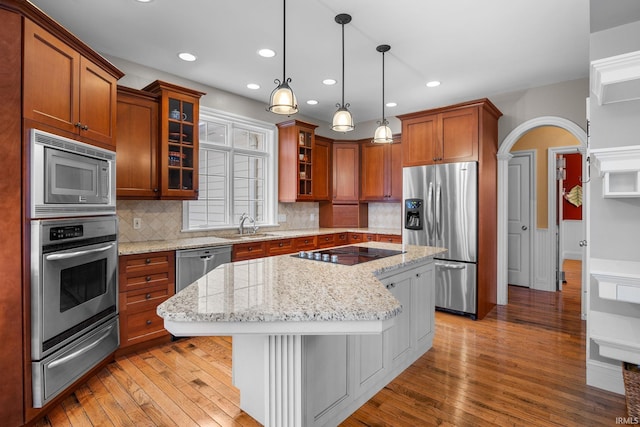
616, 78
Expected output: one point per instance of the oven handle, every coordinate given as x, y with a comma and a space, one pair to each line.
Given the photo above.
58, 257
83, 350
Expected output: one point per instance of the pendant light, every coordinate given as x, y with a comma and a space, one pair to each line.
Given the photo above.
283, 100
383, 133
342, 119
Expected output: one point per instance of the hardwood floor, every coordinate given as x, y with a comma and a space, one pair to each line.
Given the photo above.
524, 364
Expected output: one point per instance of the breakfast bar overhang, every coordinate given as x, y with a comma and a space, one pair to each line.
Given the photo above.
313, 340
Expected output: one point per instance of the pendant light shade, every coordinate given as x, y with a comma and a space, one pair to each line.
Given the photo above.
283, 100
342, 119
383, 133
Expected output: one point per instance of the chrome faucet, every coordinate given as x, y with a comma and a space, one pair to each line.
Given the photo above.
243, 218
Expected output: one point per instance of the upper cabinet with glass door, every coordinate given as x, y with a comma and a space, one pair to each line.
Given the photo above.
178, 165
296, 141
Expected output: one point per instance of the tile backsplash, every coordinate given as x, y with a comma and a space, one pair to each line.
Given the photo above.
162, 219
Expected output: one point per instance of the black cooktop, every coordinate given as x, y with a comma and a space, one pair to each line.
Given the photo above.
351, 255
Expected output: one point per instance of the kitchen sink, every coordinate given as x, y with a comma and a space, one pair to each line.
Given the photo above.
244, 236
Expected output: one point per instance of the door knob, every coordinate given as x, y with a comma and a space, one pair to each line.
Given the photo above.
524, 227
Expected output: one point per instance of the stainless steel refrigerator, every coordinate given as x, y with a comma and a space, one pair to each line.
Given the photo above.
441, 209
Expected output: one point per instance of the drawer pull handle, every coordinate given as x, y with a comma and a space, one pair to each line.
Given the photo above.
147, 261
148, 296
148, 278
148, 322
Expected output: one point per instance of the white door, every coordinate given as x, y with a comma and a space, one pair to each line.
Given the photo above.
519, 227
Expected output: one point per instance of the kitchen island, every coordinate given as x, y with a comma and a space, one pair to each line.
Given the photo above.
312, 340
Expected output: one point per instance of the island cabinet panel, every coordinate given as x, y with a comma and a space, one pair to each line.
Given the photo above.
281, 246
66, 91
137, 149
145, 280
399, 335
370, 352
326, 361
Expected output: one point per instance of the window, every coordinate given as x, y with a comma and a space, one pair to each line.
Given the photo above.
237, 172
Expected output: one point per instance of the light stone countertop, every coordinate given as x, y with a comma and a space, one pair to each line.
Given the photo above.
129, 248
287, 289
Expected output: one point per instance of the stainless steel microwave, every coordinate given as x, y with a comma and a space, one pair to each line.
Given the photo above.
70, 178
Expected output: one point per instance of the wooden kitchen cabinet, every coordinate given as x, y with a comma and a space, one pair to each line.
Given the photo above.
67, 92
345, 209
443, 135
321, 169
381, 172
145, 281
137, 149
389, 238
297, 161
326, 241
306, 243
179, 140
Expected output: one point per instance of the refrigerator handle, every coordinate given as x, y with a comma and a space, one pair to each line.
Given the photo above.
439, 212
450, 266
430, 213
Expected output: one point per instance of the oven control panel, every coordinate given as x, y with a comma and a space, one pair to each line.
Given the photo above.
66, 232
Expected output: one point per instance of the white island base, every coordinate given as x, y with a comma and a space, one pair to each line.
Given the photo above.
319, 380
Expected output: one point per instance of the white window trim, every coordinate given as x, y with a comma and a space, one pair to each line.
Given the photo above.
271, 168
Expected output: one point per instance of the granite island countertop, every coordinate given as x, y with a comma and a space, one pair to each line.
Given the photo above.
291, 295
230, 238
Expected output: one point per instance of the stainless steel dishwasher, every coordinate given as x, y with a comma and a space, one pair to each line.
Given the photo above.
192, 264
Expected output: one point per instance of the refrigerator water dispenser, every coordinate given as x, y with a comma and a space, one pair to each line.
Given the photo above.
414, 214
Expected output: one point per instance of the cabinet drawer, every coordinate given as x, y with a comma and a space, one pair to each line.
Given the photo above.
146, 280
342, 239
282, 246
356, 237
390, 238
134, 265
326, 241
305, 243
144, 299
367, 237
249, 250
141, 326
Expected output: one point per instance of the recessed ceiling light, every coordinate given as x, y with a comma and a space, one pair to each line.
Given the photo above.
253, 86
433, 83
312, 102
329, 82
266, 53
144, 1
391, 104
186, 56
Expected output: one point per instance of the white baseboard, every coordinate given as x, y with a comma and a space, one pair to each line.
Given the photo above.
605, 376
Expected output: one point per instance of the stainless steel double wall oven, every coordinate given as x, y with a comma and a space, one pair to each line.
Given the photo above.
74, 262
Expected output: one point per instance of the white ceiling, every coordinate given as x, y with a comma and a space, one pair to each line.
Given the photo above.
475, 48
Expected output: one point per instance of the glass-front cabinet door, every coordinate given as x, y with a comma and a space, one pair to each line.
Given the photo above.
178, 141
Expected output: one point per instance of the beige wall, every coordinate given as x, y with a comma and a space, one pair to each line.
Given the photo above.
540, 139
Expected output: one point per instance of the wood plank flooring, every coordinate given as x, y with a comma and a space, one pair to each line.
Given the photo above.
523, 365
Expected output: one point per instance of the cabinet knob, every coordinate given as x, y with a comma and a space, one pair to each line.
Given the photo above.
391, 285
250, 248
155, 190
148, 278
280, 244
417, 274
148, 322
306, 241
148, 296
84, 127
78, 124
147, 261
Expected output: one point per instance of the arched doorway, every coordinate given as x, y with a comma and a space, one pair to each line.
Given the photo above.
503, 184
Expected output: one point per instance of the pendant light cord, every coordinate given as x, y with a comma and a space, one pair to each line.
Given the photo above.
284, 40
383, 119
342, 64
